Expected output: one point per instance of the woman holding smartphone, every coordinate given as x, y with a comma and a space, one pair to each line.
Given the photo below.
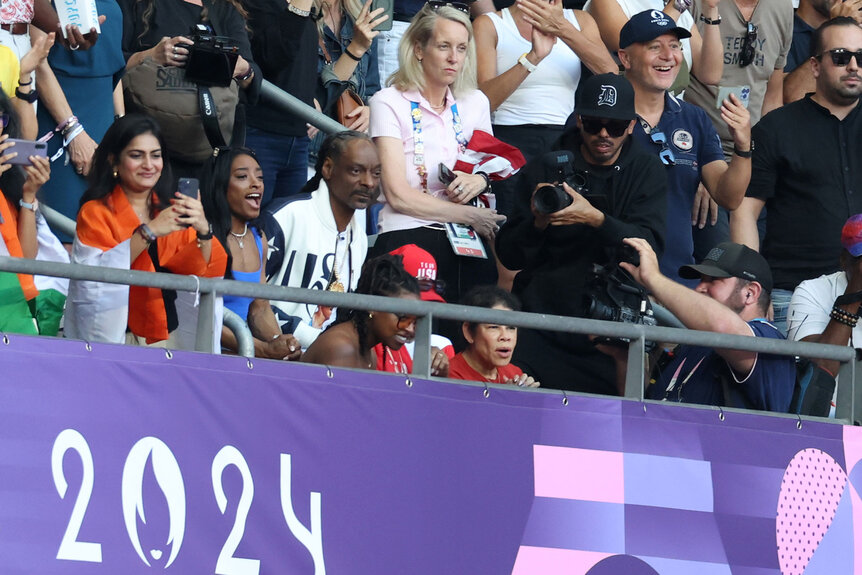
131, 218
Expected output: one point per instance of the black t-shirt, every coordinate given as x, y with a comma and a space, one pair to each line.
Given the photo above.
806, 166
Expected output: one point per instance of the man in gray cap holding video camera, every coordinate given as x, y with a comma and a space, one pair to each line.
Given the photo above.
575, 205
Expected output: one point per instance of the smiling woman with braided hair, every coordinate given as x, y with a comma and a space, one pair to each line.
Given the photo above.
349, 342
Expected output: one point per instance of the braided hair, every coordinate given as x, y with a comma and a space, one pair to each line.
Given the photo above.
332, 147
385, 276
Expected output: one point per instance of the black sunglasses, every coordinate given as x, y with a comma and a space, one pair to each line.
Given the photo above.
842, 56
437, 4
665, 154
426, 284
749, 41
615, 128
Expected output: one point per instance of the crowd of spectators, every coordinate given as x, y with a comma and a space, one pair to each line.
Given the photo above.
704, 151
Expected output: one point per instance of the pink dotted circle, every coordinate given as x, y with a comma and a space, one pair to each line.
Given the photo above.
811, 489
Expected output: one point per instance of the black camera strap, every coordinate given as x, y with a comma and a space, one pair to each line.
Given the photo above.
209, 117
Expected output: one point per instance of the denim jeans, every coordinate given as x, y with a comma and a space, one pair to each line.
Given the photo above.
284, 160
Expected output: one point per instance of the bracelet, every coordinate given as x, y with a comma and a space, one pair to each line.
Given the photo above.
28, 97
71, 126
71, 119
28, 206
682, 5
298, 11
206, 236
245, 76
351, 55
843, 316
146, 233
487, 181
20, 83
526, 63
710, 22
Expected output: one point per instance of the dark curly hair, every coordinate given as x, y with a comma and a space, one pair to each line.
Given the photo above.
383, 275
215, 179
116, 139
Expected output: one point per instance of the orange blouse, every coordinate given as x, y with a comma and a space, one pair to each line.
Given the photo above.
9, 231
108, 222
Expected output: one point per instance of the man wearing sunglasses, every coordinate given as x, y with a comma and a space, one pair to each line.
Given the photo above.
806, 168
621, 193
680, 133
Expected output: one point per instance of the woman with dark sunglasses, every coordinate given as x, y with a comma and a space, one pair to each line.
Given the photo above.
350, 341
421, 122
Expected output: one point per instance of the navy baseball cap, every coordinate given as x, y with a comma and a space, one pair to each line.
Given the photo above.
730, 260
649, 25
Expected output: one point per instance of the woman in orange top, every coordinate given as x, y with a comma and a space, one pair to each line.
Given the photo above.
130, 218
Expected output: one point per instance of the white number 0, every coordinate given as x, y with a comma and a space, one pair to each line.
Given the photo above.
227, 564
70, 548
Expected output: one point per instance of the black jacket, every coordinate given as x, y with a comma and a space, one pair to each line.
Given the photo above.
556, 261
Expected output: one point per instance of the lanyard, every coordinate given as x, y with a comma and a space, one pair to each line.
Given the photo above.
419, 143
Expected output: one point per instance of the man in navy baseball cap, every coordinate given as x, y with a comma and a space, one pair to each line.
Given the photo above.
649, 25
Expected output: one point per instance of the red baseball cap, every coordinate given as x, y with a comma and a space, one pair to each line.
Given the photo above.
421, 265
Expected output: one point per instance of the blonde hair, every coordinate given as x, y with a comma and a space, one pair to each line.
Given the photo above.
409, 75
323, 7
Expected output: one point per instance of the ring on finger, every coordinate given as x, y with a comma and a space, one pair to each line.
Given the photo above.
175, 49
460, 188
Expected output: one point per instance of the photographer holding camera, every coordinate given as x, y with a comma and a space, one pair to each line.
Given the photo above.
605, 189
733, 297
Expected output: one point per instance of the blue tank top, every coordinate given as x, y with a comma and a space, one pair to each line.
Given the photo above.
239, 304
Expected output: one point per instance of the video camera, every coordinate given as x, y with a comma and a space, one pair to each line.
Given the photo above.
612, 294
559, 168
212, 58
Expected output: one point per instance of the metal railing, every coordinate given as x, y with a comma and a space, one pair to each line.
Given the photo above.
849, 404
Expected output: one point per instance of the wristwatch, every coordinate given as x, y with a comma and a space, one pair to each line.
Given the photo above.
706, 20
146, 233
28, 206
744, 153
208, 235
526, 63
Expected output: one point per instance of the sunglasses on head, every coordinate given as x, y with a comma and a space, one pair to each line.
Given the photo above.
665, 154
426, 284
615, 128
842, 56
749, 41
437, 4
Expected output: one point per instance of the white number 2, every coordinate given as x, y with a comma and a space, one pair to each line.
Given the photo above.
227, 564
70, 548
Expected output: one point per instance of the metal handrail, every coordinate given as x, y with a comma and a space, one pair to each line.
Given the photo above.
848, 404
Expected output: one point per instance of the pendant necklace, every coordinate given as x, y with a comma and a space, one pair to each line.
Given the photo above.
241, 237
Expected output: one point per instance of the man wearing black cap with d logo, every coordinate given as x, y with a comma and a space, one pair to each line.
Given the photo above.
575, 206
733, 297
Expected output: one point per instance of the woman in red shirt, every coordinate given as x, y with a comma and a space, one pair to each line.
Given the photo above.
489, 346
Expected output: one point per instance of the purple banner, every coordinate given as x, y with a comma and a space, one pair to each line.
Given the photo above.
124, 460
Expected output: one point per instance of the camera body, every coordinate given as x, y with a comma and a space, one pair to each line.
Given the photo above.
212, 58
553, 198
612, 294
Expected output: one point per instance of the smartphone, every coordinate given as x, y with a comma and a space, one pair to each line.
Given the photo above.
445, 175
188, 187
25, 149
741, 92
388, 9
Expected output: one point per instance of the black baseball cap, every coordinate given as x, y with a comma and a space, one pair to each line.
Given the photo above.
606, 96
730, 260
649, 25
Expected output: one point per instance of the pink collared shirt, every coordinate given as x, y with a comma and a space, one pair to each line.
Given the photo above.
390, 117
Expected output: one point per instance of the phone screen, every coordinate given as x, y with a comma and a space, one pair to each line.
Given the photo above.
446, 176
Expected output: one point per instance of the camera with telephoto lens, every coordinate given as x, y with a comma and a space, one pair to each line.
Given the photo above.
212, 58
612, 294
558, 166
